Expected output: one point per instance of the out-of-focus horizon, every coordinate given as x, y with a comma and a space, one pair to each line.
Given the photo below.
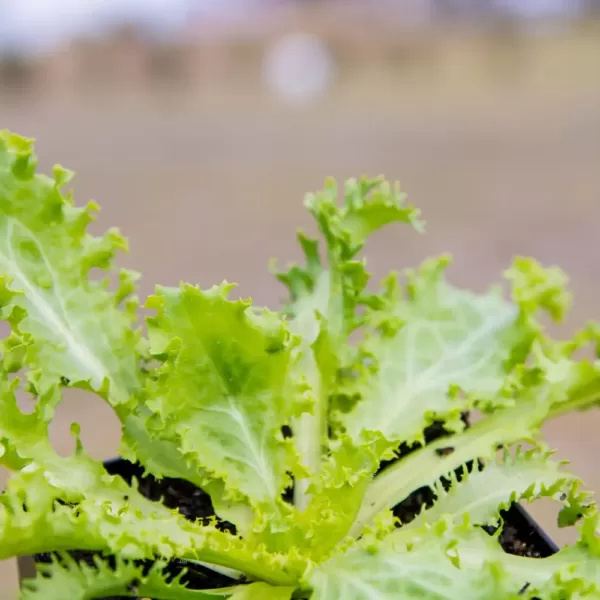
198, 125
69, 38
33, 26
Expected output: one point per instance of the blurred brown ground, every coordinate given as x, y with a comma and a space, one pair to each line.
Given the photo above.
501, 150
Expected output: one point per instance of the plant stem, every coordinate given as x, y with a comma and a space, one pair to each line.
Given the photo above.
232, 573
307, 433
252, 568
576, 403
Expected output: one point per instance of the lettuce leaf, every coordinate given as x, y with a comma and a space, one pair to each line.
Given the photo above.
258, 591
225, 377
334, 285
490, 488
66, 578
574, 569
39, 521
435, 341
365, 574
525, 401
59, 503
436, 351
455, 563
65, 325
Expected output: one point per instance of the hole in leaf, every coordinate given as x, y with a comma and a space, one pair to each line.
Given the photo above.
98, 274
544, 512
100, 428
25, 401
4, 475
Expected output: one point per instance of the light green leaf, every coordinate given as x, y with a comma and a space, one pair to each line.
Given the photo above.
579, 378
535, 287
452, 563
379, 574
426, 343
23, 436
37, 516
484, 493
65, 325
225, 377
164, 458
66, 578
334, 287
262, 591
570, 569
427, 465
54, 503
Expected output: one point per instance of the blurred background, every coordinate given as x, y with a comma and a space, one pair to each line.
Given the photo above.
198, 125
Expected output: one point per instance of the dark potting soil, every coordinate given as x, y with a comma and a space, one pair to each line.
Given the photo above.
518, 535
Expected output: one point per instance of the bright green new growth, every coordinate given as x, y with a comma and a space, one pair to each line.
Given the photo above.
351, 370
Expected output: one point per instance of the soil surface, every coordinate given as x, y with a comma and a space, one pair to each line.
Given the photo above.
519, 535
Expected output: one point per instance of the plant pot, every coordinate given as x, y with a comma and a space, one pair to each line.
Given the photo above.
518, 525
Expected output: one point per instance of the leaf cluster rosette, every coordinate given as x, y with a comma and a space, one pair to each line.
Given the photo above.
349, 371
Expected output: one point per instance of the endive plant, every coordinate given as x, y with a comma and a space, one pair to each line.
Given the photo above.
250, 404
